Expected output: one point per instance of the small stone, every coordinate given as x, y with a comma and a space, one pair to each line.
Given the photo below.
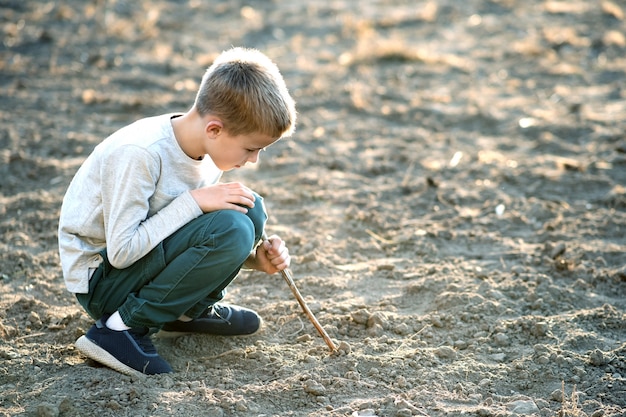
557, 250
241, 406
304, 338
436, 321
518, 269
461, 344
375, 331
167, 382
501, 339
113, 405
377, 318
314, 388
524, 407
541, 403
556, 395
401, 382
66, 405
344, 347
34, 319
445, 352
88, 96
47, 410
404, 412
484, 412
9, 354
360, 316
539, 329
597, 358
368, 412
402, 329
353, 375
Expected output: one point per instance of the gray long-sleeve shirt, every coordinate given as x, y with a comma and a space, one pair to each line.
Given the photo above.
130, 194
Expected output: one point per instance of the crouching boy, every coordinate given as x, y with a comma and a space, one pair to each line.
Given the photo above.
149, 237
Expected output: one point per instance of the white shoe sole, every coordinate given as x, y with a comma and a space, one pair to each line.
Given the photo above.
95, 352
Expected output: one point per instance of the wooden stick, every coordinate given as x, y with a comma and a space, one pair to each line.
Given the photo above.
288, 276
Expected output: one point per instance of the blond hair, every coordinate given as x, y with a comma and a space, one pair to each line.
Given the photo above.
245, 89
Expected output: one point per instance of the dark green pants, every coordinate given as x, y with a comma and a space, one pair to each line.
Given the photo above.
186, 273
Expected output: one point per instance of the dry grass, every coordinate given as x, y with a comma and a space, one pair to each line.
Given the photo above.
570, 406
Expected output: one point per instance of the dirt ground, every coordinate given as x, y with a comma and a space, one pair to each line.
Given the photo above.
454, 200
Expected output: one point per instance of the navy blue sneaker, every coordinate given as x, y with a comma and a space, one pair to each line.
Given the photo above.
219, 319
130, 352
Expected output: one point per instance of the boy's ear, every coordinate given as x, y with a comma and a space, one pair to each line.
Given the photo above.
214, 128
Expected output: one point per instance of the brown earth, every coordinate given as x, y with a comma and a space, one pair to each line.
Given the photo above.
454, 199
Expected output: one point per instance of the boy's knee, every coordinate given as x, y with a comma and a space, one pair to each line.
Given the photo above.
238, 232
258, 216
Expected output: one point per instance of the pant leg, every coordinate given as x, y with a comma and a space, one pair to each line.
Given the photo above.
258, 216
185, 273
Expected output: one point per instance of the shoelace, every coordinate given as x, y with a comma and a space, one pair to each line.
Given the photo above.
216, 311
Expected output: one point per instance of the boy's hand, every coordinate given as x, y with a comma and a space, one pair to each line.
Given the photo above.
224, 196
271, 256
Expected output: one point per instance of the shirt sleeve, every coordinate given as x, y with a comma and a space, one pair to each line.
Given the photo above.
129, 177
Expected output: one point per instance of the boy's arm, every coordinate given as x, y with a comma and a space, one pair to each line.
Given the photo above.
129, 176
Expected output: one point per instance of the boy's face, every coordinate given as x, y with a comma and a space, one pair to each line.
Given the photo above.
230, 152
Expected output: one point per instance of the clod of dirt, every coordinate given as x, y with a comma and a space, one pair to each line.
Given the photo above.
314, 388
344, 347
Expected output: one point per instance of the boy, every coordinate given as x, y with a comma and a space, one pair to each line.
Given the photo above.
149, 238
